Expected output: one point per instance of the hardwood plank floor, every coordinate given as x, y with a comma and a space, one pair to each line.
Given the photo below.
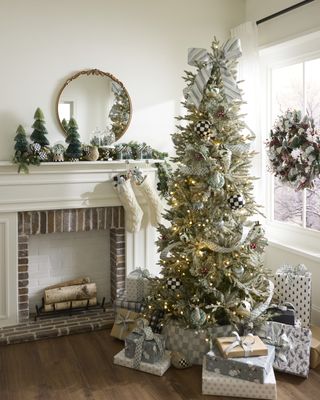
80, 367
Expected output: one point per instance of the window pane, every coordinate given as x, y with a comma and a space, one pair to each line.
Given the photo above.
312, 69
287, 204
287, 89
313, 207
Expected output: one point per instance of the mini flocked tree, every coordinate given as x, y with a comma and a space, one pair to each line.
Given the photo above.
74, 151
210, 250
64, 124
39, 130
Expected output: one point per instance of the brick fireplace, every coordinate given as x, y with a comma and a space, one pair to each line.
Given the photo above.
71, 220
56, 198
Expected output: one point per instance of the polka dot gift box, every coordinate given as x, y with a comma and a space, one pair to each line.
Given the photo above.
293, 285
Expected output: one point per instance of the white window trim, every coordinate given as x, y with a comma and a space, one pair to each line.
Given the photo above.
300, 239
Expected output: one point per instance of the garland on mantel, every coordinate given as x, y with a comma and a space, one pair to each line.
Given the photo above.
40, 151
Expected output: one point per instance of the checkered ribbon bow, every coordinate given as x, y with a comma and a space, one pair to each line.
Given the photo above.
230, 50
145, 333
245, 342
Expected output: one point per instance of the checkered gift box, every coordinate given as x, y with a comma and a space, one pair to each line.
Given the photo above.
192, 342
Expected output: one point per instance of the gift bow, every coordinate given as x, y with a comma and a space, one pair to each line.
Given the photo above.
140, 273
124, 320
145, 333
244, 342
279, 339
291, 271
230, 50
286, 306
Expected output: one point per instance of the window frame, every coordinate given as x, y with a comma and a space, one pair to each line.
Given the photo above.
298, 50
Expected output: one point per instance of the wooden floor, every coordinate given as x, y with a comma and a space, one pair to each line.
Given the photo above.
79, 367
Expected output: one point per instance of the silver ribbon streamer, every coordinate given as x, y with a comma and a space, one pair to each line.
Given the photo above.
244, 342
231, 50
145, 333
261, 307
220, 249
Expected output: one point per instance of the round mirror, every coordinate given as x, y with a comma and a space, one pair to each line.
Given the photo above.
99, 103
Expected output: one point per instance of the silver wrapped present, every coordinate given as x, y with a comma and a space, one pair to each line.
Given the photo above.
293, 285
254, 369
159, 368
194, 343
142, 345
122, 302
221, 385
137, 285
292, 346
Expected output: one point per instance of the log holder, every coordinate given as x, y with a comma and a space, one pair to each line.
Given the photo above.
40, 313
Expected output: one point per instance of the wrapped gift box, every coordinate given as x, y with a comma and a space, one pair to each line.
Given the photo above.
192, 342
254, 369
220, 385
124, 323
137, 285
315, 347
152, 348
159, 368
284, 314
251, 346
122, 302
293, 285
292, 345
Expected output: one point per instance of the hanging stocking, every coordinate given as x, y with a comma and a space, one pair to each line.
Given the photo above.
128, 199
145, 186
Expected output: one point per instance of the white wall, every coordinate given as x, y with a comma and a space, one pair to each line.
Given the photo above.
142, 42
301, 20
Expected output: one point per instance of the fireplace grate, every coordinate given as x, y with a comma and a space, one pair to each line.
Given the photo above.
41, 314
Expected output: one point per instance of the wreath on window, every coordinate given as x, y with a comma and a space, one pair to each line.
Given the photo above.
294, 150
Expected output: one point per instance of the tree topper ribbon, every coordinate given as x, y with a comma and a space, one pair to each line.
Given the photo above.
145, 333
231, 49
245, 342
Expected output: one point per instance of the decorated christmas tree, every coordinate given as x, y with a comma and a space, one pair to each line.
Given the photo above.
210, 249
39, 130
74, 151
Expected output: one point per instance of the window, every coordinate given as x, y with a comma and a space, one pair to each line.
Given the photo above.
296, 86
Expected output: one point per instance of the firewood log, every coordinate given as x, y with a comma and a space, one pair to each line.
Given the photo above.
79, 281
68, 293
70, 304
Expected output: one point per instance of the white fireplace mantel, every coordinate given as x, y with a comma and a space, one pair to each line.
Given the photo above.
61, 186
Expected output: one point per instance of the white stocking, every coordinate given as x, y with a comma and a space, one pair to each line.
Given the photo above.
128, 199
152, 198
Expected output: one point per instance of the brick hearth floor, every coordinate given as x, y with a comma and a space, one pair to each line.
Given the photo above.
83, 321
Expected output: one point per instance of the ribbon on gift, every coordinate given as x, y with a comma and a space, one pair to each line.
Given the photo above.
277, 337
145, 333
286, 306
244, 342
197, 56
291, 271
124, 321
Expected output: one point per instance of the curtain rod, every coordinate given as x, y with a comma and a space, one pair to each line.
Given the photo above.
284, 11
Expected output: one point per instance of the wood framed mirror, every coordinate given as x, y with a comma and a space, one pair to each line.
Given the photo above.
100, 104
